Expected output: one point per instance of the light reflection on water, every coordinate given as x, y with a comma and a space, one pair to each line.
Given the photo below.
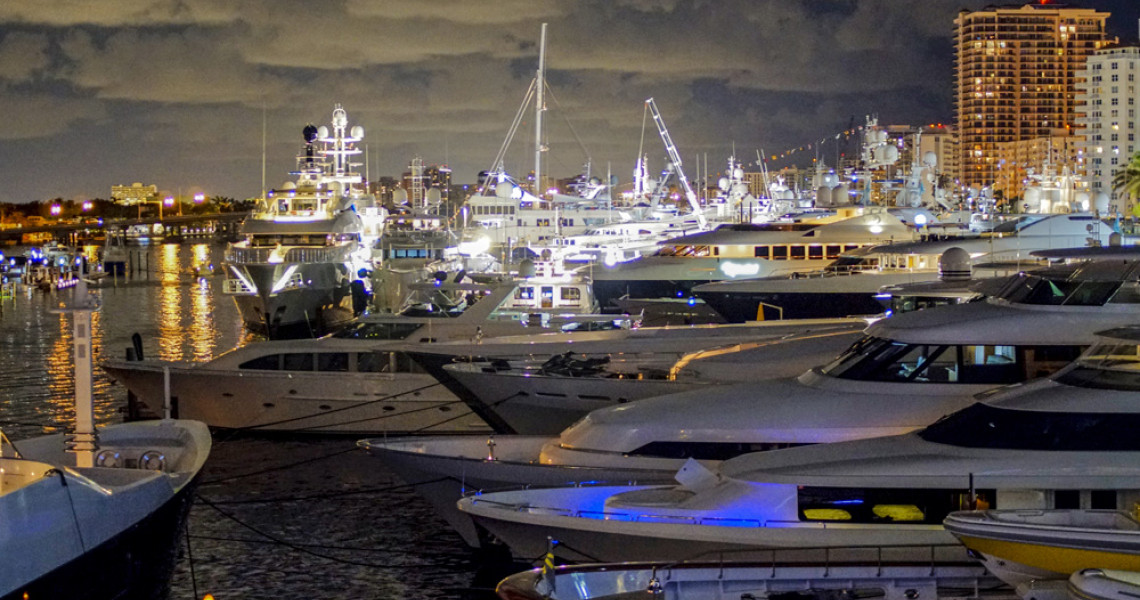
179, 315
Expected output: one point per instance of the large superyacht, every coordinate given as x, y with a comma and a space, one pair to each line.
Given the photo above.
308, 242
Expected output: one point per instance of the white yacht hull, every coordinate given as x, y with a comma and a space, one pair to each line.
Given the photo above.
602, 535
301, 402
103, 532
545, 405
444, 469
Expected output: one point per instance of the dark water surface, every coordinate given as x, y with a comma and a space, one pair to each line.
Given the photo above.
276, 517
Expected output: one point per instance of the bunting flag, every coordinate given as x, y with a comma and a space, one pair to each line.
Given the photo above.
845, 135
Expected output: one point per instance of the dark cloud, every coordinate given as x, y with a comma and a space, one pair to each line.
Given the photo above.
173, 92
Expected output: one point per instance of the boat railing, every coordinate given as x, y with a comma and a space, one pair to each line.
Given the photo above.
329, 254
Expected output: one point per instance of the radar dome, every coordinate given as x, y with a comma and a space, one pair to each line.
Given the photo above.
738, 173
930, 159
504, 189
433, 196
310, 133
400, 196
830, 180
323, 131
340, 117
722, 184
526, 268
840, 195
288, 186
357, 132
954, 265
823, 196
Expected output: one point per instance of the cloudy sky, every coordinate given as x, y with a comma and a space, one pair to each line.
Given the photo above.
173, 92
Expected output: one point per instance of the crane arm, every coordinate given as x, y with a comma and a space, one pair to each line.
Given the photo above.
675, 157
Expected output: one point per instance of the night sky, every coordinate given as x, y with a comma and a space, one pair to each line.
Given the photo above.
173, 92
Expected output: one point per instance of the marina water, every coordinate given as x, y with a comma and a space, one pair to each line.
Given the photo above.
276, 517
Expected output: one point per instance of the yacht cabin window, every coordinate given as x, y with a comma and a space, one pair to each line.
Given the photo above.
877, 359
888, 505
994, 427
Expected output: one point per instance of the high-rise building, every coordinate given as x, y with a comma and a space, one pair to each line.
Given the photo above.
1107, 120
1016, 70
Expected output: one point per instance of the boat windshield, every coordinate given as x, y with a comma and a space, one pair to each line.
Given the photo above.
378, 331
878, 359
1035, 289
986, 426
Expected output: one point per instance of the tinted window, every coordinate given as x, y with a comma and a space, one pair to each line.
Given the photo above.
332, 361
887, 505
271, 362
298, 362
985, 426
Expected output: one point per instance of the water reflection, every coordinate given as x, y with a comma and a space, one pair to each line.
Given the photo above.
180, 317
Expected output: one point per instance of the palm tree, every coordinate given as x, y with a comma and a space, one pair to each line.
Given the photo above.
1126, 180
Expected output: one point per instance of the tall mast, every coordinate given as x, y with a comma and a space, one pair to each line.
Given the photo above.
539, 106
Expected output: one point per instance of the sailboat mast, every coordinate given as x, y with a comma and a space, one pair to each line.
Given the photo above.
539, 101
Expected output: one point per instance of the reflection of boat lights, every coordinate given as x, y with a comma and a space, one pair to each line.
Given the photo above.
735, 269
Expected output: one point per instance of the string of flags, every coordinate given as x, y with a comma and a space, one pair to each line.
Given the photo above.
845, 134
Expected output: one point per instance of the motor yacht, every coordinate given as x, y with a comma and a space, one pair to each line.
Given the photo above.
744, 250
1103, 584
869, 390
305, 245
358, 381
1056, 442
849, 285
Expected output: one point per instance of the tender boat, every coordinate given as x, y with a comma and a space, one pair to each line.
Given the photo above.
1020, 546
796, 574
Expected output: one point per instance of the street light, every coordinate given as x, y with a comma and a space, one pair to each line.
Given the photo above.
87, 205
199, 198
56, 209
169, 201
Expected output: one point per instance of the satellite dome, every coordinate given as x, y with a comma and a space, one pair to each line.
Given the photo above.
504, 189
310, 133
954, 265
287, 186
738, 173
1100, 202
357, 131
400, 196
339, 117
930, 159
722, 183
323, 131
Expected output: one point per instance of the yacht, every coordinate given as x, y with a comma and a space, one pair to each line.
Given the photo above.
1056, 442
358, 381
1021, 546
302, 249
869, 390
68, 524
544, 395
744, 250
1103, 584
849, 285
790, 574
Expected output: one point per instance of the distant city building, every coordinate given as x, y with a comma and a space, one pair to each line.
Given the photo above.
1107, 107
1016, 77
1057, 153
136, 193
420, 178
